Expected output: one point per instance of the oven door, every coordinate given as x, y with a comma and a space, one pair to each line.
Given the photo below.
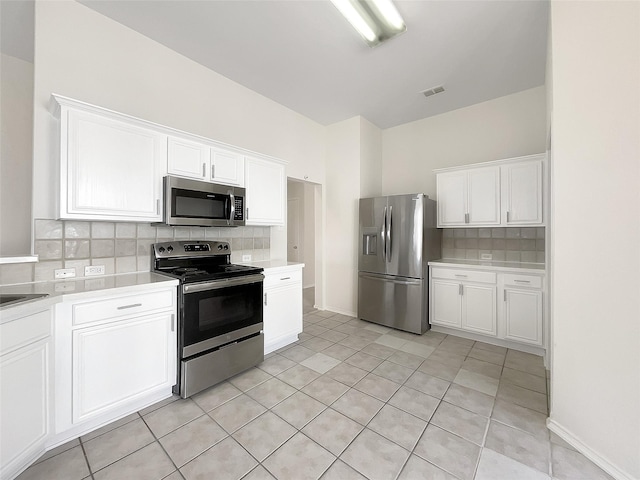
220, 312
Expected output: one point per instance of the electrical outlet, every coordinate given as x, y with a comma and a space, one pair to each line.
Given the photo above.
94, 284
64, 273
94, 270
486, 256
246, 258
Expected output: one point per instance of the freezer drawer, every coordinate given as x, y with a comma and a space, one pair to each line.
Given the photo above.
395, 302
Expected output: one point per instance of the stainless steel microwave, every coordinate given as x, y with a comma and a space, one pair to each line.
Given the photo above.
202, 204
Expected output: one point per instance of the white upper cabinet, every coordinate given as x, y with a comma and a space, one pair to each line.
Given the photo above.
187, 158
469, 197
522, 193
227, 167
266, 185
503, 193
198, 160
110, 167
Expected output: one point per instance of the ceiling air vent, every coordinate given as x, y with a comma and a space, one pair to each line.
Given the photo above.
432, 91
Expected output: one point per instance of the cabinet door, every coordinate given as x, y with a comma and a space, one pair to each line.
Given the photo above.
282, 316
227, 167
446, 306
117, 362
479, 309
111, 170
522, 193
523, 315
483, 196
452, 198
187, 158
266, 192
24, 396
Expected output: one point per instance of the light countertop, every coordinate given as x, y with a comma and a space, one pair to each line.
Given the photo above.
78, 288
520, 267
273, 264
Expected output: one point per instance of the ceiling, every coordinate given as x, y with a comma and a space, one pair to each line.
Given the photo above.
304, 55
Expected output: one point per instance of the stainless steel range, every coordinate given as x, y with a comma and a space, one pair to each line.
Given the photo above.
219, 312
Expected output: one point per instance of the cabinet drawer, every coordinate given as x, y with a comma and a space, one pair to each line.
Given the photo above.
283, 278
25, 330
532, 281
121, 306
463, 275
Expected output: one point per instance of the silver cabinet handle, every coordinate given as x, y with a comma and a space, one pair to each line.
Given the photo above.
133, 305
460, 275
285, 278
213, 171
204, 169
247, 214
173, 322
460, 290
157, 206
522, 281
265, 299
508, 216
466, 218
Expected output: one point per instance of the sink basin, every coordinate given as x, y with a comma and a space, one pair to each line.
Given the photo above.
13, 298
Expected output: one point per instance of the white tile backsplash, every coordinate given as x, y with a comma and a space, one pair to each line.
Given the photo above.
514, 244
120, 247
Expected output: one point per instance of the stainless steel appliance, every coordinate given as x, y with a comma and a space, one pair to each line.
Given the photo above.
219, 312
202, 204
398, 236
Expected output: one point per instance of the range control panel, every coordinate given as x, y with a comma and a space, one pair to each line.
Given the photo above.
193, 248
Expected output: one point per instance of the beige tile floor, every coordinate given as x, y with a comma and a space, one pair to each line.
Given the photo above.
349, 400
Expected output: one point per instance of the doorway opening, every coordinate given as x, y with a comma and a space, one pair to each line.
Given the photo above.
304, 242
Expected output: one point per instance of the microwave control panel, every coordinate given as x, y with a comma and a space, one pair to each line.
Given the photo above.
239, 206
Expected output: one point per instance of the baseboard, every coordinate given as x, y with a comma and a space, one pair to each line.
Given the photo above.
487, 339
329, 308
596, 458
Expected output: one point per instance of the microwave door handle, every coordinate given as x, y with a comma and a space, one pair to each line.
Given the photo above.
232, 208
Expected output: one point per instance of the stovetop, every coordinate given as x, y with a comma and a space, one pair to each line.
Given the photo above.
197, 261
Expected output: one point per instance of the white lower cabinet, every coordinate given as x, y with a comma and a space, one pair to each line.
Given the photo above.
523, 314
115, 363
25, 365
494, 304
282, 317
115, 354
465, 300
479, 308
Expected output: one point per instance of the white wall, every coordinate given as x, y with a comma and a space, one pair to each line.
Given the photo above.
309, 273
341, 216
370, 159
84, 55
16, 138
595, 401
506, 127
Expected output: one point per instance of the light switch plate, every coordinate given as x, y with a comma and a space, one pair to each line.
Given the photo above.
486, 256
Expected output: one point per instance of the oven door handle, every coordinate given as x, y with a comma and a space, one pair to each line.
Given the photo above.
224, 283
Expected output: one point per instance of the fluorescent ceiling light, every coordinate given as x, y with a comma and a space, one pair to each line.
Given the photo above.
375, 20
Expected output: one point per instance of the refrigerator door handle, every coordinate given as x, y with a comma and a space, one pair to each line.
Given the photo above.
392, 280
388, 243
383, 234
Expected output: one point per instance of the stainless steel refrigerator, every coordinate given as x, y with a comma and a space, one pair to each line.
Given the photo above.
398, 236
